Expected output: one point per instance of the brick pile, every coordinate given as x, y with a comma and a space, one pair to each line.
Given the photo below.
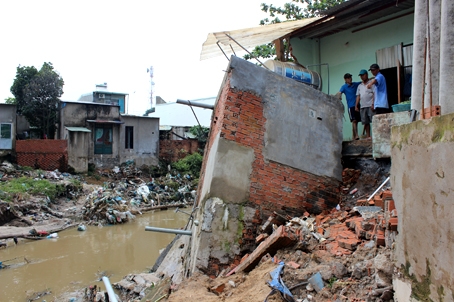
339, 232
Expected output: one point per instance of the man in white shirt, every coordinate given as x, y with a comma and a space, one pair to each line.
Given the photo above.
365, 96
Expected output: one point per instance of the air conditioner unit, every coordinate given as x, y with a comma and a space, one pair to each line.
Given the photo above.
102, 96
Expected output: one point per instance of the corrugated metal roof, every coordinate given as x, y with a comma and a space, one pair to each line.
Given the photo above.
354, 13
78, 129
248, 37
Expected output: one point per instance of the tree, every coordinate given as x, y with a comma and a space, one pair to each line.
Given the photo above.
10, 100
24, 74
296, 10
37, 95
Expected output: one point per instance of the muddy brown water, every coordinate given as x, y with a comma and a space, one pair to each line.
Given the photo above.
76, 259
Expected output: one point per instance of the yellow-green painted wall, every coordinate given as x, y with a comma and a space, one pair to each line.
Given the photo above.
350, 51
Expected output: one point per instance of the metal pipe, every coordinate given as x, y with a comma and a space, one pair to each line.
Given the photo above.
110, 292
178, 210
171, 231
373, 194
246, 50
196, 104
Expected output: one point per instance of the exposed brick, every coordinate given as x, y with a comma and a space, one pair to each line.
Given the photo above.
387, 194
378, 201
46, 154
349, 244
293, 264
389, 205
174, 150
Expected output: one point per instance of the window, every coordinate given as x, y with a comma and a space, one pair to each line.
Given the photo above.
129, 137
5, 131
6, 141
103, 139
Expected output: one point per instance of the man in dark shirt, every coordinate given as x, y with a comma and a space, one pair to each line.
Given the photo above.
349, 89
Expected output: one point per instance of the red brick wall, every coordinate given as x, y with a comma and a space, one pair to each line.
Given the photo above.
274, 186
174, 150
46, 154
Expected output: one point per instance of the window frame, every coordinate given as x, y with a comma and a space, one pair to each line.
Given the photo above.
103, 146
129, 137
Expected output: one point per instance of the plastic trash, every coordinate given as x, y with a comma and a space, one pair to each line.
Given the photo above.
81, 228
53, 235
277, 283
338, 207
144, 191
353, 191
316, 281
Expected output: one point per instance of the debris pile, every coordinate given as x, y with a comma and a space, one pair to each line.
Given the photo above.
118, 201
350, 249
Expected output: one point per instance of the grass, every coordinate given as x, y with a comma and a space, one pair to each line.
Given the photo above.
27, 185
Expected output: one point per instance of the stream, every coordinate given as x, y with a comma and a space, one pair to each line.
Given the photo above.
76, 260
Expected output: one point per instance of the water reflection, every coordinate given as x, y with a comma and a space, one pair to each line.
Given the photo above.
78, 259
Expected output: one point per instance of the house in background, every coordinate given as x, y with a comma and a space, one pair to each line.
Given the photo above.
7, 128
176, 119
103, 96
99, 134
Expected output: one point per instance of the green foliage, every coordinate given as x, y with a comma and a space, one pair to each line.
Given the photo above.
295, 10
159, 170
27, 185
200, 132
26, 168
37, 95
24, 75
331, 282
190, 164
10, 100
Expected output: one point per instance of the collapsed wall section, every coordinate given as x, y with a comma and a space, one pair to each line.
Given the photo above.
290, 136
274, 146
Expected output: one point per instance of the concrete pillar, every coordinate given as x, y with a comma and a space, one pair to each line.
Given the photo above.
447, 57
434, 47
419, 34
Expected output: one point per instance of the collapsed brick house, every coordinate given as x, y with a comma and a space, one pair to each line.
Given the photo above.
274, 146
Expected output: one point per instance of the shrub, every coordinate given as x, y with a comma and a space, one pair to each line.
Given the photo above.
190, 164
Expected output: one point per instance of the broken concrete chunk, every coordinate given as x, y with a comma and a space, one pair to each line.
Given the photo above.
383, 264
339, 270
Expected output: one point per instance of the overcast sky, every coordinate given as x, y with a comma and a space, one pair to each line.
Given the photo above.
92, 42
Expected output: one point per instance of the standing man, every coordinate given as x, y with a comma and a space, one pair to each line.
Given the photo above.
380, 104
349, 89
365, 97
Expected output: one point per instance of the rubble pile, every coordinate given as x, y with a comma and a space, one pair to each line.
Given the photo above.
120, 194
118, 200
349, 250
338, 255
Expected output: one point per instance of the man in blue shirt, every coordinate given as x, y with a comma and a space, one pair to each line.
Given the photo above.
380, 104
349, 89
